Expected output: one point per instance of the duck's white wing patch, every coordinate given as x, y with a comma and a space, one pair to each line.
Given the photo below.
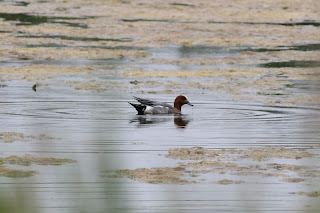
157, 110
149, 110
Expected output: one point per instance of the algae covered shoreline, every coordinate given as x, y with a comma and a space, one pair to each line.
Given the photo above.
244, 50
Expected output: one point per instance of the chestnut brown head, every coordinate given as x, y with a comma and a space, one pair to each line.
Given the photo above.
182, 100
179, 101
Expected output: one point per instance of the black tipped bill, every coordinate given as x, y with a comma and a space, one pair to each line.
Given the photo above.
189, 103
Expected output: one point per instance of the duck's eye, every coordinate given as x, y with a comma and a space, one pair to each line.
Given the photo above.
184, 98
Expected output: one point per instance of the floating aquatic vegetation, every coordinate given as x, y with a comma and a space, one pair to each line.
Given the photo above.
77, 38
28, 19
51, 53
164, 175
226, 182
257, 154
197, 161
266, 153
15, 173
293, 180
96, 86
301, 64
27, 160
9, 137
28, 71
182, 4
199, 153
211, 166
309, 194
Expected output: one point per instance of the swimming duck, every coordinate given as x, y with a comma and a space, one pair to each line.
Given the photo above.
154, 107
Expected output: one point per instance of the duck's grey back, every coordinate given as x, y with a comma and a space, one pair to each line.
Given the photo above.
153, 103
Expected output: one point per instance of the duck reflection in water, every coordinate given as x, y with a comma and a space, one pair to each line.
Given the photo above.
180, 121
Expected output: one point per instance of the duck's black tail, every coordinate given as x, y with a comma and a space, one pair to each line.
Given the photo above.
139, 107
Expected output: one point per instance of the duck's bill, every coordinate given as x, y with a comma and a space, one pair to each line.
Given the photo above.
189, 103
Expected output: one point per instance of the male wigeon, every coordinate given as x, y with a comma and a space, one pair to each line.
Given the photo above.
154, 107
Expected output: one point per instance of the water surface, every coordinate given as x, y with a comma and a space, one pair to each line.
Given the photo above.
102, 132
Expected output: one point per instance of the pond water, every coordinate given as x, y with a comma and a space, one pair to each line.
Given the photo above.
72, 143
102, 132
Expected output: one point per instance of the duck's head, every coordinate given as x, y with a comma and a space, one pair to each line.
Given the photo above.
181, 100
